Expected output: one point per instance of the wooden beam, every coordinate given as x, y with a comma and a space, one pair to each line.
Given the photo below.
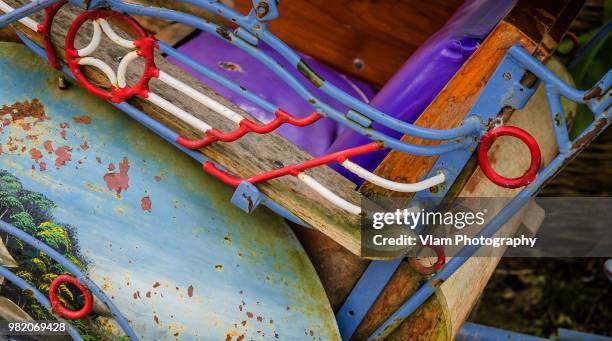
250, 155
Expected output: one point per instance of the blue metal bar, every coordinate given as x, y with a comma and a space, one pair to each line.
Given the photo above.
39, 296
56, 256
558, 118
364, 294
24, 11
477, 332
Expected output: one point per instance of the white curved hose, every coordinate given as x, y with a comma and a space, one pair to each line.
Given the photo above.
108, 30
123, 65
392, 185
102, 66
94, 43
329, 195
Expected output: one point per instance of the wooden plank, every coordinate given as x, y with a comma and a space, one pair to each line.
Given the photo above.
382, 34
250, 155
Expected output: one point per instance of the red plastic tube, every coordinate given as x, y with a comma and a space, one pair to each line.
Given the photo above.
56, 304
45, 30
294, 170
145, 45
536, 157
247, 126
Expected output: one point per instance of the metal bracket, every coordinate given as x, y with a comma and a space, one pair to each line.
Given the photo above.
247, 197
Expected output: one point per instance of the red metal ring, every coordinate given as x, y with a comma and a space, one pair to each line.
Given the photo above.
575, 43
145, 45
428, 270
56, 305
536, 157
45, 31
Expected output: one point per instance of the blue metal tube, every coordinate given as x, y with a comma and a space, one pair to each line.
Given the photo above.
24, 11
39, 296
56, 256
546, 75
477, 332
170, 51
558, 118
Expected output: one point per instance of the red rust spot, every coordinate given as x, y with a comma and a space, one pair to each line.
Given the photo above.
5, 122
156, 319
145, 204
249, 314
48, 146
137, 295
83, 119
156, 284
240, 338
63, 134
99, 159
62, 156
118, 181
35, 154
157, 178
20, 110
64, 125
26, 126
111, 167
84, 146
190, 291
228, 337
259, 318
148, 294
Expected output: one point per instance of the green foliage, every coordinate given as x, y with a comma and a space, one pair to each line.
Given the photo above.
55, 236
23, 221
32, 213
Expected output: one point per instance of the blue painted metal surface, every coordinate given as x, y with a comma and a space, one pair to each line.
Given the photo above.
239, 267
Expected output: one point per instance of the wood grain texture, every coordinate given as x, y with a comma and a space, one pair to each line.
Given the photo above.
382, 34
250, 155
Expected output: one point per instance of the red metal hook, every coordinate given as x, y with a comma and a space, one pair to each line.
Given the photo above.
56, 305
145, 45
536, 157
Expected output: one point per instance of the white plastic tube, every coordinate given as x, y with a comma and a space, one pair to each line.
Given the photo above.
178, 112
200, 97
123, 65
108, 30
102, 66
94, 43
329, 195
392, 185
29, 23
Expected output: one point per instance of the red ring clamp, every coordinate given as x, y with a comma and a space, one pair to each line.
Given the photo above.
45, 31
428, 270
57, 306
483, 160
144, 44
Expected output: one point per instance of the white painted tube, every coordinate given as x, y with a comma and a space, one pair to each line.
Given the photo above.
108, 30
200, 97
178, 112
94, 43
102, 66
392, 185
329, 195
123, 65
29, 23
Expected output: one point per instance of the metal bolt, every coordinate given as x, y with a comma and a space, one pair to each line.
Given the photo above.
62, 83
277, 164
262, 9
358, 63
507, 76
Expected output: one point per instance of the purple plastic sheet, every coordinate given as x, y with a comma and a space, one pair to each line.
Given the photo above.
249, 73
424, 75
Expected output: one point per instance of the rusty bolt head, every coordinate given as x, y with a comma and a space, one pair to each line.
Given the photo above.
262, 9
62, 83
507, 76
277, 164
358, 63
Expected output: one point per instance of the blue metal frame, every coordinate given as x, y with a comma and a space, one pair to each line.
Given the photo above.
499, 92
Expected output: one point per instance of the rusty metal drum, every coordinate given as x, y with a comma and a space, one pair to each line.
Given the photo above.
148, 226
